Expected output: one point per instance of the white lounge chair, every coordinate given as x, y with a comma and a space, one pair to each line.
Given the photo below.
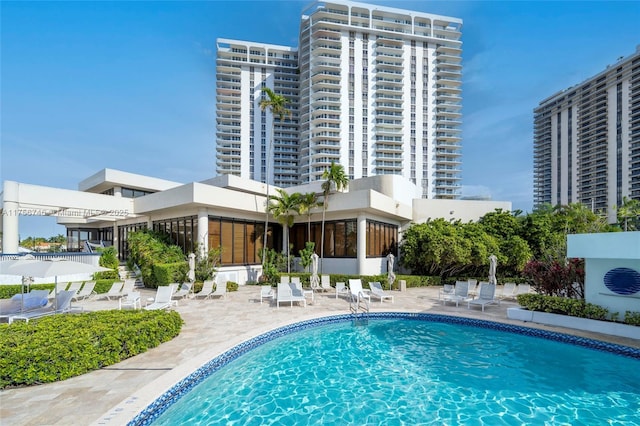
508, 291
207, 289
447, 289
57, 289
75, 287
473, 287
114, 291
357, 292
325, 283
378, 292
162, 299
86, 291
59, 306
342, 289
184, 291
221, 290
266, 292
19, 303
460, 294
286, 294
130, 301
285, 279
486, 296
523, 288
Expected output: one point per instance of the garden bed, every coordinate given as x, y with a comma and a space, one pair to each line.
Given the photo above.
585, 324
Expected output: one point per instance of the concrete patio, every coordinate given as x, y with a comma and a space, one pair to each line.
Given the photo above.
115, 394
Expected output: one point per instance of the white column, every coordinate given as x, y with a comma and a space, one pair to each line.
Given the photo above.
10, 236
362, 243
203, 231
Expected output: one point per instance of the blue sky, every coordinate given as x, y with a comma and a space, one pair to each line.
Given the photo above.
131, 85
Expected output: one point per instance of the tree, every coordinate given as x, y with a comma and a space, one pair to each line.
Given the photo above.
334, 177
308, 201
628, 214
284, 207
277, 105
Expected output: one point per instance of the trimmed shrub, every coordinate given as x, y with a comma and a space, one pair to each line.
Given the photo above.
232, 286
632, 318
167, 273
58, 347
562, 305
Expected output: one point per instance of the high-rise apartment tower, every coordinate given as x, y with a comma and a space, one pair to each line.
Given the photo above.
373, 88
587, 140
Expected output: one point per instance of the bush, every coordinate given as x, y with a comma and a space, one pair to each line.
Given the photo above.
554, 278
108, 259
58, 347
562, 305
148, 248
232, 286
632, 318
167, 273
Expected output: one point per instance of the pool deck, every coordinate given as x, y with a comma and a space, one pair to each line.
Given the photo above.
114, 395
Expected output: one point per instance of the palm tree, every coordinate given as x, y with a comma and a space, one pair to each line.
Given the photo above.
334, 177
308, 201
630, 209
284, 208
277, 105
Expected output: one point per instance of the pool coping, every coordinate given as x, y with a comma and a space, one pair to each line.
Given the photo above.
214, 362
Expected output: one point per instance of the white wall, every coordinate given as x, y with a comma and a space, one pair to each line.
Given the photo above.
602, 253
464, 210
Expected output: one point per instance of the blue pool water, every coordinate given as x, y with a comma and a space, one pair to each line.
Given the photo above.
404, 371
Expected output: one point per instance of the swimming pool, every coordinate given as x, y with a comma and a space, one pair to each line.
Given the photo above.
433, 369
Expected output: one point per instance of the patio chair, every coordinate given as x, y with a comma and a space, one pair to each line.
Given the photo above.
266, 292
341, 289
130, 301
285, 295
473, 287
460, 293
57, 289
295, 280
297, 290
486, 296
285, 279
114, 291
508, 291
75, 286
447, 289
356, 290
63, 304
207, 289
378, 292
162, 299
221, 290
523, 288
184, 291
36, 299
86, 291
325, 283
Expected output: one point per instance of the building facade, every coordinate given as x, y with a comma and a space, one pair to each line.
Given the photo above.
362, 224
587, 141
378, 91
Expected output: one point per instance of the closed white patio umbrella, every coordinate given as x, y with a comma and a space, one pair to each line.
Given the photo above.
315, 280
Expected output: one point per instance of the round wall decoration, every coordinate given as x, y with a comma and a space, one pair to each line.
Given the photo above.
622, 281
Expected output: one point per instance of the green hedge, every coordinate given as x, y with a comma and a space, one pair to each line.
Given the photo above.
562, 305
62, 346
167, 273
